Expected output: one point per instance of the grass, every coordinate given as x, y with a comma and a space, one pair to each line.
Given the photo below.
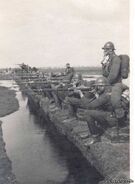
8, 101
8, 104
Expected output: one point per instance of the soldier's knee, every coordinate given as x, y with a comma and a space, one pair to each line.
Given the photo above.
83, 114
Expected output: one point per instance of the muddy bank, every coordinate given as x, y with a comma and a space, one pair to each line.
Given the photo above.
6, 175
110, 159
8, 104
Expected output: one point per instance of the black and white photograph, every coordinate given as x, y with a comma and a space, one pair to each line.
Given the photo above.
65, 73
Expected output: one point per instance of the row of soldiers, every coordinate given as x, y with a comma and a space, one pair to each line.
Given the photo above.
102, 103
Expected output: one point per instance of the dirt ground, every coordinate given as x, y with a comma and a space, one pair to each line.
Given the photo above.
8, 104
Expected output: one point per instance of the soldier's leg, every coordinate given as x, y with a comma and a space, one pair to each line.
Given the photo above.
47, 93
78, 103
56, 99
117, 90
116, 95
92, 125
61, 96
93, 116
104, 118
72, 103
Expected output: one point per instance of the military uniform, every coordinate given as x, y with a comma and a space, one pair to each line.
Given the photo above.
117, 91
98, 109
94, 117
69, 74
111, 67
94, 102
59, 96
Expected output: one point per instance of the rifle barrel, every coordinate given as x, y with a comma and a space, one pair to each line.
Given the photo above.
61, 89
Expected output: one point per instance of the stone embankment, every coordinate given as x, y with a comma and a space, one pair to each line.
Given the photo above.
110, 156
8, 104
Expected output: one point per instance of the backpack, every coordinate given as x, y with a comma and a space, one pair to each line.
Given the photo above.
124, 68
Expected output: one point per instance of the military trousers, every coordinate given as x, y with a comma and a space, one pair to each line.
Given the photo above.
75, 103
117, 90
98, 117
116, 102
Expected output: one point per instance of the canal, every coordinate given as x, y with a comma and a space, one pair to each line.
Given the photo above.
38, 153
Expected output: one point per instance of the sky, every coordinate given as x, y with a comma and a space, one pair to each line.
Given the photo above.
45, 33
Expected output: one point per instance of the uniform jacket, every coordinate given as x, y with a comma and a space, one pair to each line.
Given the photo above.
103, 102
69, 71
111, 70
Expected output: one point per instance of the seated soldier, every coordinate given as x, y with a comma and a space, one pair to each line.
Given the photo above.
97, 101
66, 89
105, 118
47, 93
58, 95
60, 91
79, 83
96, 110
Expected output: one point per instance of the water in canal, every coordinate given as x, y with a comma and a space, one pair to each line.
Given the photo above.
39, 154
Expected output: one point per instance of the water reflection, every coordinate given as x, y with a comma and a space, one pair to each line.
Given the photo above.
79, 171
39, 154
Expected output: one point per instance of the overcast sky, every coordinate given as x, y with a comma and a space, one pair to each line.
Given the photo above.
54, 32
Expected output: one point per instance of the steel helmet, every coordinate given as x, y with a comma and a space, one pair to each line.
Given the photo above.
101, 81
109, 45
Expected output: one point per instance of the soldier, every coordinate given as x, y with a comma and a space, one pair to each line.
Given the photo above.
111, 64
115, 68
101, 111
99, 120
66, 90
98, 101
59, 96
69, 72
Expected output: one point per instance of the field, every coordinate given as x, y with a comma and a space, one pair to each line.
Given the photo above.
8, 102
82, 70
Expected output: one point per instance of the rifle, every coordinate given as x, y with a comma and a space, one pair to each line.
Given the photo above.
62, 89
44, 82
34, 77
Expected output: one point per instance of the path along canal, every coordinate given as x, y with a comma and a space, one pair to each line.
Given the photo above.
38, 153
